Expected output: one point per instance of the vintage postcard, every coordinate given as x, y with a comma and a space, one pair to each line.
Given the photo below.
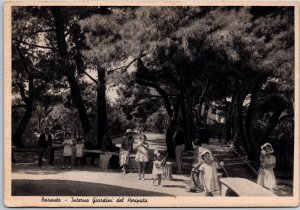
151, 104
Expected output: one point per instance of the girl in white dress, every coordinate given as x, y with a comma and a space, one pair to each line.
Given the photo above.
197, 163
142, 156
158, 167
79, 151
266, 177
209, 174
68, 152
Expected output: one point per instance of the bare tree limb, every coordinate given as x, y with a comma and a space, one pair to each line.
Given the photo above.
37, 46
161, 91
124, 68
94, 80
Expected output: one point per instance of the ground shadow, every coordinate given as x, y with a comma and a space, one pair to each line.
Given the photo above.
49, 187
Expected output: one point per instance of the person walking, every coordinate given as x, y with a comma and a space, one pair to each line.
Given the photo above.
126, 148
179, 142
45, 146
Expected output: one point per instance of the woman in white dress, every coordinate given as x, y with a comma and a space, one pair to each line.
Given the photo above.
142, 156
266, 177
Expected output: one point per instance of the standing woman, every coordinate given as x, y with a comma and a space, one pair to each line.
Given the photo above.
126, 147
142, 156
266, 177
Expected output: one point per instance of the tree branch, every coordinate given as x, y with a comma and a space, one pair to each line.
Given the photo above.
124, 68
34, 45
95, 81
22, 93
161, 91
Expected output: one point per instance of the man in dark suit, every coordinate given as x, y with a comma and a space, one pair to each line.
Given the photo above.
45, 146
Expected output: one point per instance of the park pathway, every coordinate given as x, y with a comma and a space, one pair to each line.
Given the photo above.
28, 179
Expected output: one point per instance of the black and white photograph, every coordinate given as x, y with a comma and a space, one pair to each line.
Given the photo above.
151, 105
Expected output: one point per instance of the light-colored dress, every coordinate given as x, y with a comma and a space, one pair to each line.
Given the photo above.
266, 177
142, 153
209, 177
197, 162
67, 148
158, 167
79, 150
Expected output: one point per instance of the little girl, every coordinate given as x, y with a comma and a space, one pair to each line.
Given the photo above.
209, 178
79, 151
68, 143
142, 156
158, 166
266, 177
198, 161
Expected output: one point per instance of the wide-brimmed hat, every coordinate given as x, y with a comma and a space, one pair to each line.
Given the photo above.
129, 131
156, 153
267, 144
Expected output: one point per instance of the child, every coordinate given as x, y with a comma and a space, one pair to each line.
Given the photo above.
67, 153
266, 177
209, 173
79, 151
197, 162
142, 156
158, 166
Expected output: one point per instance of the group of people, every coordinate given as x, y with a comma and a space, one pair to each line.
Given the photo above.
142, 157
205, 164
69, 145
205, 168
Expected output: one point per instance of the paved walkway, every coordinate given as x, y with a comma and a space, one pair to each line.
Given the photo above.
28, 179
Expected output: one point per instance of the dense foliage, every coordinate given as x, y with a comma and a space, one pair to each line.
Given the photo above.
223, 68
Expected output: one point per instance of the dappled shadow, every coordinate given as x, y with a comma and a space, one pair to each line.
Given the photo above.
171, 185
178, 180
50, 187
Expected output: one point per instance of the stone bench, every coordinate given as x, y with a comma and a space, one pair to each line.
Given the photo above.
105, 158
243, 187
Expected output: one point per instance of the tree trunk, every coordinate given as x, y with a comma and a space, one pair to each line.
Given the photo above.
205, 113
273, 121
169, 137
248, 122
228, 135
17, 137
203, 94
69, 71
172, 126
241, 126
78, 102
191, 124
101, 108
185, 123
